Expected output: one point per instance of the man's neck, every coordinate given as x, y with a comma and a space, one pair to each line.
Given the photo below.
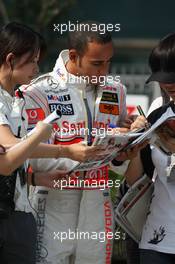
71, 68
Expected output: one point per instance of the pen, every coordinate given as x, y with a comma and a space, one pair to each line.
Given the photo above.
140, 110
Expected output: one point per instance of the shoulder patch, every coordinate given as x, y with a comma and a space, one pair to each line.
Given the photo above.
52, 82
45, 80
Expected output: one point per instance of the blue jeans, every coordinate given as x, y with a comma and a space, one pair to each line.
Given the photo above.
155, 257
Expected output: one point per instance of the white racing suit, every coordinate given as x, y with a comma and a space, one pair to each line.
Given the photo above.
73, 209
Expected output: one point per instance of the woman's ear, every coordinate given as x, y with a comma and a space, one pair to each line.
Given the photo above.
10, 60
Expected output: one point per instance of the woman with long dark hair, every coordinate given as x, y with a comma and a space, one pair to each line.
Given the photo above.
20, 50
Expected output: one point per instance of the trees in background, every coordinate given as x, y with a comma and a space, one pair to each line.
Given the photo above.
40, 15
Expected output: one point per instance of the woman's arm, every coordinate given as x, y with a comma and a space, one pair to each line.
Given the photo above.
134, 170
16, 155
78, 152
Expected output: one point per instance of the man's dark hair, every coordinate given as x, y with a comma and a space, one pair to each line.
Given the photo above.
20, 39
84, 33
162, 57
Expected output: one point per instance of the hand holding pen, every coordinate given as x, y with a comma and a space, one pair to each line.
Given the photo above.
141, 121
140, 110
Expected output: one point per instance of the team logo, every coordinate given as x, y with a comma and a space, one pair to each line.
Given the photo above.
109, 97
61, 75
35, 115
52, 83
57, 91
109, 109
60, 98
65, 109
110, 88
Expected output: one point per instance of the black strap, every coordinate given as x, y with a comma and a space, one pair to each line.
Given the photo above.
147, 162
89, 122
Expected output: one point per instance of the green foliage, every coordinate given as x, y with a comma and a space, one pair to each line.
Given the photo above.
40, 15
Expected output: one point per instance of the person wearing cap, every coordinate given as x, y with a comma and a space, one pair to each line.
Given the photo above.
158, 236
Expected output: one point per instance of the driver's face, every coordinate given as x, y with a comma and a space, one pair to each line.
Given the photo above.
95, 61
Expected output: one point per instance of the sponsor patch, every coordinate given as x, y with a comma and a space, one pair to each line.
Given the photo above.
35, 115
110, 88
66, 109
60, 74
110, 109
52, 83
109, 97
60, 98
60, 90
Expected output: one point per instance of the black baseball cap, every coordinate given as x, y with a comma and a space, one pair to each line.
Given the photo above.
162, 76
